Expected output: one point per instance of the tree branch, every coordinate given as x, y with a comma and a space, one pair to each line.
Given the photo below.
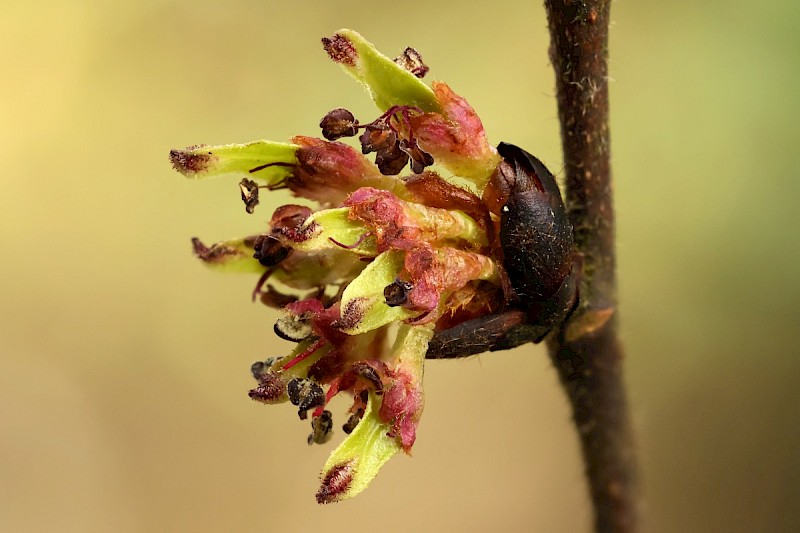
586, 351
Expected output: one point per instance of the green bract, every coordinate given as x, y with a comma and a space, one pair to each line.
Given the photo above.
361, 455
388, 83
366, 292
238, 159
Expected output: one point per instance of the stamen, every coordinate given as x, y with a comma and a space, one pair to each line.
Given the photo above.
411, 60
260, 283
321, 428
391, 160
258, 369
333, 390
369, 373
391, 136
269, 250
356, 244
316, 345
353, 421
267, 165
406, 112
249, 190
420, 319
294, 327
305, 394
338, 123
396, 293
283, 184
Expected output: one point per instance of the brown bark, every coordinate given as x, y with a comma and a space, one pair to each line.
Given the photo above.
586, 352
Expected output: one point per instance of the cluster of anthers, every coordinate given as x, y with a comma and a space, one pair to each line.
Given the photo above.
389, 268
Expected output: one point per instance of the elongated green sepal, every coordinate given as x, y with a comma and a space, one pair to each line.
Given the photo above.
388, 83
363, 304
300, 369
265, 161
410, 347
333, 229
443, 225
229, 256
357, 460
306, 271
273, 381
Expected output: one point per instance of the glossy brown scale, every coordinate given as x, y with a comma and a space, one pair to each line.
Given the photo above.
536, 240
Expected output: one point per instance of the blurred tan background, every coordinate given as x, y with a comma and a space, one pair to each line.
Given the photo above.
124, 363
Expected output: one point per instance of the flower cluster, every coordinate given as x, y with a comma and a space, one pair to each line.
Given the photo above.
365, 280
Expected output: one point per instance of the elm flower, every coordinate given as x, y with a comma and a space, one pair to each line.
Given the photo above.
381, 264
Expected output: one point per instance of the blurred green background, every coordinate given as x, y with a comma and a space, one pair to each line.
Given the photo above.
124, 363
